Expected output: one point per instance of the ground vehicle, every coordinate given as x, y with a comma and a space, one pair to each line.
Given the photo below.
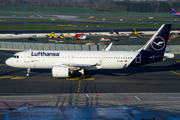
104, 39
66, 36
80, 36
32, 39
135, 32
52, 35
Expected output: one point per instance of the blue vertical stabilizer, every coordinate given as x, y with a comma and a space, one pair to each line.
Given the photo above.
153, 50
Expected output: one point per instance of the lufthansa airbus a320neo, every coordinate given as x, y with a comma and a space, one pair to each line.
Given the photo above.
63, 63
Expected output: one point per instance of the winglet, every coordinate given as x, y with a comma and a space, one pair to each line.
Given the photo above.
109, 47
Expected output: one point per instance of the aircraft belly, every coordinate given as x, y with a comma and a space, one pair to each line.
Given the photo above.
112, 65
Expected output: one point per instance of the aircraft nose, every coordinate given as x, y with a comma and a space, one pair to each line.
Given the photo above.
8, 62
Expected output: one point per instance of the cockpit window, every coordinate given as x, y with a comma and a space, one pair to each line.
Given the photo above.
15, 56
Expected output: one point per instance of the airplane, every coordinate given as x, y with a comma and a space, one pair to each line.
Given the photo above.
64, 63
174, 13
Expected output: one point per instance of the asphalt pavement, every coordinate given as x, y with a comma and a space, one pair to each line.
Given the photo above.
161, 77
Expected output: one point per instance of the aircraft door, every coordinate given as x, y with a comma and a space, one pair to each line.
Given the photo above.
138, 58
70, 58
27, 57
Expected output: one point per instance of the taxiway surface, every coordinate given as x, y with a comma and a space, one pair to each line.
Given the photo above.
146, 93
161, 77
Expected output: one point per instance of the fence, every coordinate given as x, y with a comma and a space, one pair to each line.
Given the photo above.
75, 47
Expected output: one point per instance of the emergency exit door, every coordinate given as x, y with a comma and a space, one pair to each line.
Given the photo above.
27, 57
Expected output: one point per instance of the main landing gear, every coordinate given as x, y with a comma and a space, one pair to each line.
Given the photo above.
83, 73
28, 72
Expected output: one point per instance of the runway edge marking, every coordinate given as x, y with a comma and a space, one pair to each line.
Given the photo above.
137, 98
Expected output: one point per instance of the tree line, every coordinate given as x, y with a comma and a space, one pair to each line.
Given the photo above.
176, 6
100, 5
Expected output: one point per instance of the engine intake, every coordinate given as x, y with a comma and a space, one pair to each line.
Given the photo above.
60, 71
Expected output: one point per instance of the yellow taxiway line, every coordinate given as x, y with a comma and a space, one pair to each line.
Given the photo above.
71, 78
175, 72
11, 77
88, 79
3, 65
78, 79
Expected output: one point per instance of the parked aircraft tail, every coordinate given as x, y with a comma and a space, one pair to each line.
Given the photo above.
173, 11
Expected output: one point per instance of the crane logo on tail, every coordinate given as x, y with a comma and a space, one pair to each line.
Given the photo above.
158, 43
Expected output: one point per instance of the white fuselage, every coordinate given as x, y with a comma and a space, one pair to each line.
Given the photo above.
40, 59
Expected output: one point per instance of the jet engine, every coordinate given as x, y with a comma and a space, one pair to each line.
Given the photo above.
60, 71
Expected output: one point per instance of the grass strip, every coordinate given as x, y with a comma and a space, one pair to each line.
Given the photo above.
31, 27
130, 25
75, 11
34, 20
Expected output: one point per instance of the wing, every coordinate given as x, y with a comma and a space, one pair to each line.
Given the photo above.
85, 66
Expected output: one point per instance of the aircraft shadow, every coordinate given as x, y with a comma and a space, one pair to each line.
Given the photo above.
134, 70
118, 72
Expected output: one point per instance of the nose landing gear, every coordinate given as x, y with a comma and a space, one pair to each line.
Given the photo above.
28, 72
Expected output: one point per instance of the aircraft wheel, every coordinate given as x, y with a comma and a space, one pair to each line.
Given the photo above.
86, 72
83, 76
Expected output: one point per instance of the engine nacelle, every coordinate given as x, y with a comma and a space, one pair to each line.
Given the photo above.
60, 71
